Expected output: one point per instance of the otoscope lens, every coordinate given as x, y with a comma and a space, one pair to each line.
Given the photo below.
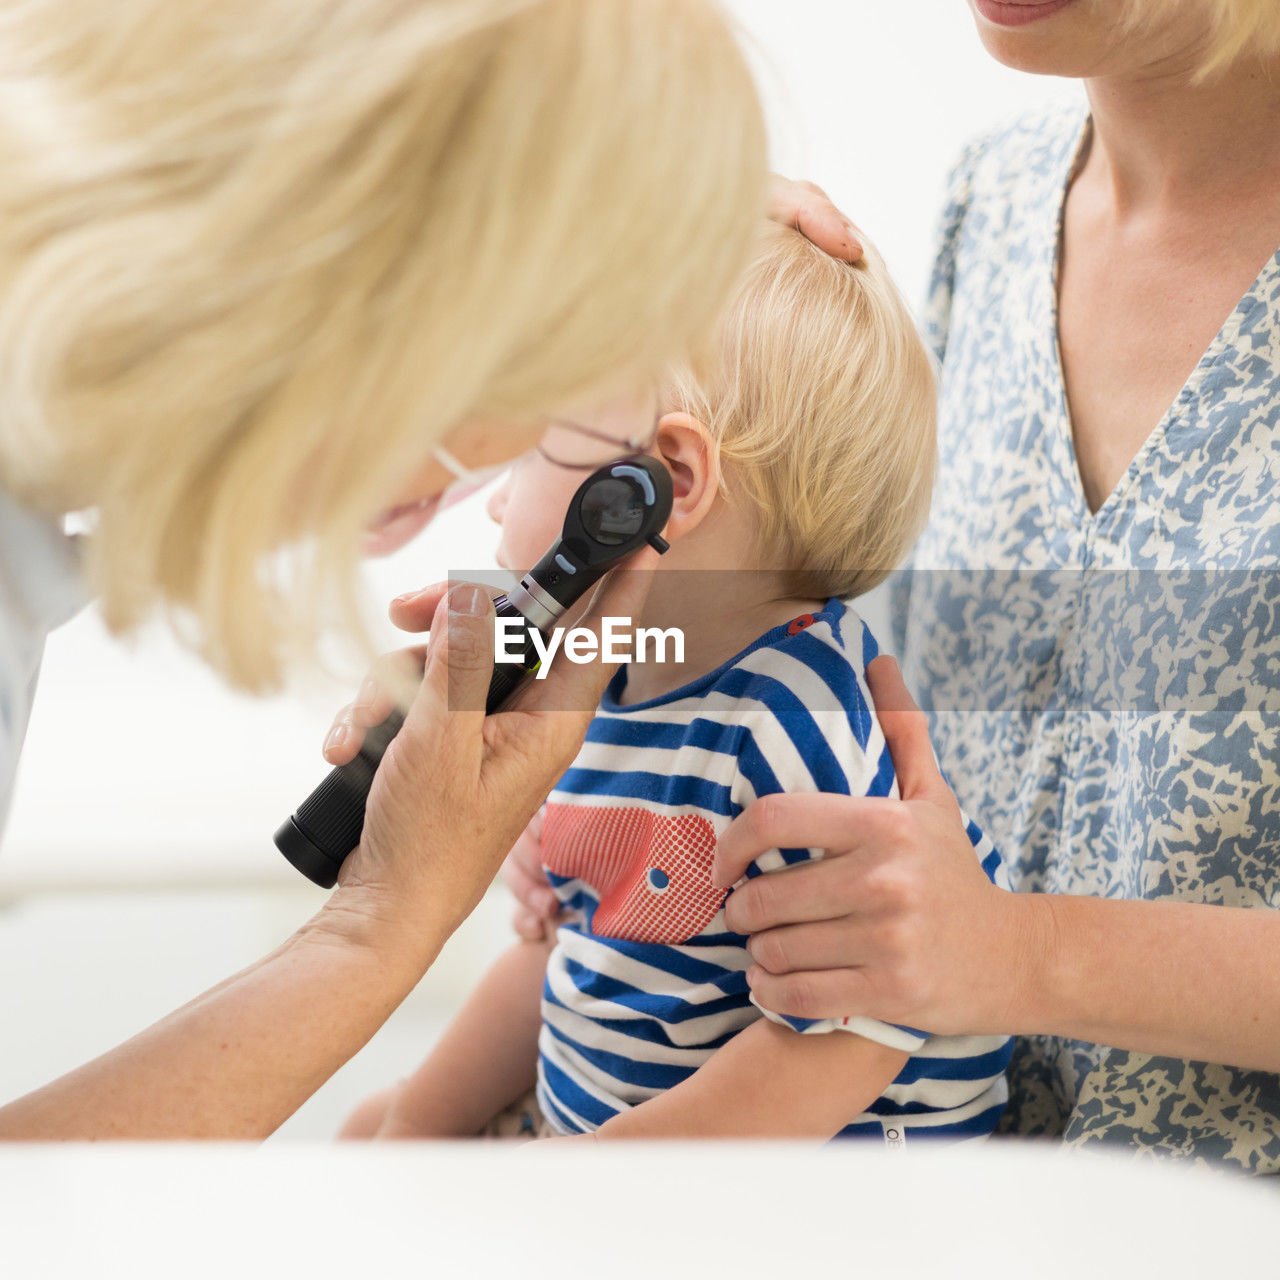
612, 511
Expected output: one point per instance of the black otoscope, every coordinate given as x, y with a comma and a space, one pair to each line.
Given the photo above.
616, 511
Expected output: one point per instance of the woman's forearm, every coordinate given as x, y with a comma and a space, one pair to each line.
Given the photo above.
453, 792
1166, 978
238, 1060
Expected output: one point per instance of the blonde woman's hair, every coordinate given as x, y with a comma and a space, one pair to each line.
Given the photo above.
257, 256
821, 395
1236, 29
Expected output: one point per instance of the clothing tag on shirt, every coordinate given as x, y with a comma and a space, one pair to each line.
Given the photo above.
895, 1136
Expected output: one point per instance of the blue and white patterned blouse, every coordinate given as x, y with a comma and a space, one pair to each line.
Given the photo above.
1104, 688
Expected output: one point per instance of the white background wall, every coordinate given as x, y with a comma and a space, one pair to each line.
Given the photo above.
138, 867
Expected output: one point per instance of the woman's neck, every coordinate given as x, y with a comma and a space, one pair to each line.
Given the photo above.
1164, 139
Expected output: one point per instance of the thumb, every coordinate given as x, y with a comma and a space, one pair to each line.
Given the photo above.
906, 730
459, 664
416, 610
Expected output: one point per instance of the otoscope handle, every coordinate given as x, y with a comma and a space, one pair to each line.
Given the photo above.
327, 825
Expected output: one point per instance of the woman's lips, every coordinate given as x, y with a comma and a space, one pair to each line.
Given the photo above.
401, 524
398, 525
1018, 13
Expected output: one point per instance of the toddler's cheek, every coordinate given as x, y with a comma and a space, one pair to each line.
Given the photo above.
526, 535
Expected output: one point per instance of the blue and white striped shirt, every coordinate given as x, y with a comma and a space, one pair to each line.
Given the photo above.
645, 982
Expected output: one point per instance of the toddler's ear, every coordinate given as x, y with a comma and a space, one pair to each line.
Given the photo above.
691, 453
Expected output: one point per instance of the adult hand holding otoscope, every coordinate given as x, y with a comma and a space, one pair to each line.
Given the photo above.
488, 774
616, 513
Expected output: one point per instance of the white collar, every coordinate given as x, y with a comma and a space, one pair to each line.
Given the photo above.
41, 575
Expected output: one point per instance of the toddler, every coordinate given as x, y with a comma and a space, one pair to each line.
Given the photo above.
801, 457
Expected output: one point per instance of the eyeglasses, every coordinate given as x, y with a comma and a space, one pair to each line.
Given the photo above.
581, 448
459, 470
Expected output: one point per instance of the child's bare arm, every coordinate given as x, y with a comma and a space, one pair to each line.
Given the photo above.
365, 1121
769, 1082
486, 1058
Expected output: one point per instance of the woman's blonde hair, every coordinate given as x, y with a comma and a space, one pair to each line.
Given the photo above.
257, 256
1236, 29
822, 397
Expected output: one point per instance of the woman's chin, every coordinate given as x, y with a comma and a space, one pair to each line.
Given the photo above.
398, 526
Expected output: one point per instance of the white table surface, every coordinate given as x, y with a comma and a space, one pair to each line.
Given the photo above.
1007, 1209
219, 773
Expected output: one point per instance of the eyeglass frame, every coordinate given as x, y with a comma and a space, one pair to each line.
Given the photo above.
632, 448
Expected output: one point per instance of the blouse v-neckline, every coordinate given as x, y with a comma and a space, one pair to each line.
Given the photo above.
1159, 438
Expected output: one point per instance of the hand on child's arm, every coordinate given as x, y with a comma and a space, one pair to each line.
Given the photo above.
898, 921
769, 1082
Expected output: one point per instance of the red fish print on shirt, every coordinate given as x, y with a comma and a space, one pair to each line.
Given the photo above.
652, 872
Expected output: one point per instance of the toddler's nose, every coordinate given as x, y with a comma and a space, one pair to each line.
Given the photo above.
496, 506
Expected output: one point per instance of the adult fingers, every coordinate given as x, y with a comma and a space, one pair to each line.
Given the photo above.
813, 993
415, 610
906, 730
391, 683
459, 667
812, 820
821, 944
808, 209
343, 742
827, 890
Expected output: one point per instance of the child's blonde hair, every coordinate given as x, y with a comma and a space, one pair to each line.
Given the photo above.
821, 395
257, 256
